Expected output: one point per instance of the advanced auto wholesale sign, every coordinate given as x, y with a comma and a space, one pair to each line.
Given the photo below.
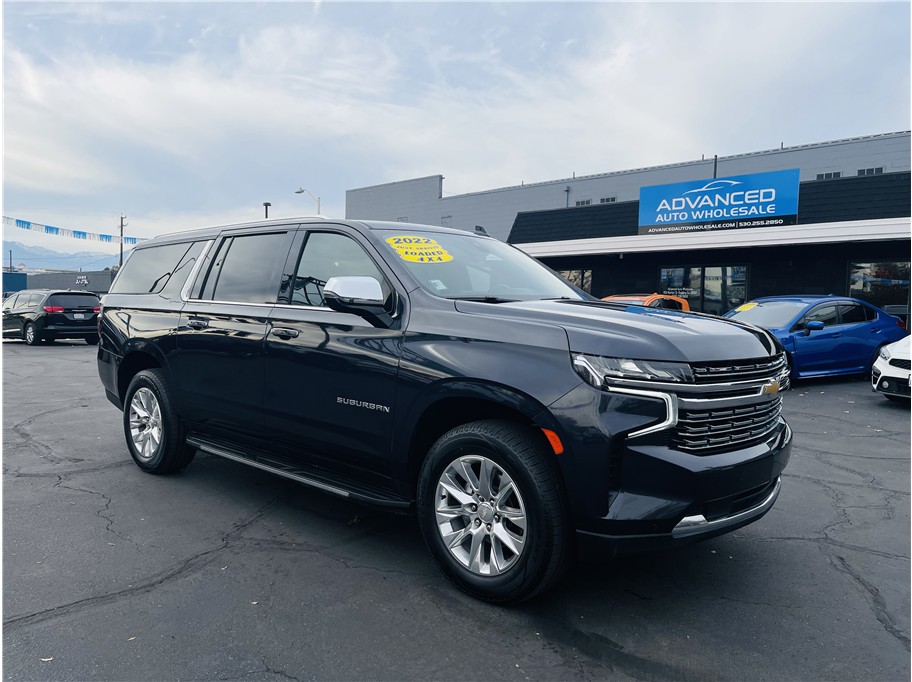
758, 200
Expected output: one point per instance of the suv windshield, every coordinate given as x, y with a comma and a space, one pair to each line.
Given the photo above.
768, 314
470, 267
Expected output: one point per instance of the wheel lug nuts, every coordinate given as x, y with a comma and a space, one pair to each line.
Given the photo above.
497, 517
474, 507
477, 522
489, 527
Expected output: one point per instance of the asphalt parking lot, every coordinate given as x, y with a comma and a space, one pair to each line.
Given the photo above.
227, 573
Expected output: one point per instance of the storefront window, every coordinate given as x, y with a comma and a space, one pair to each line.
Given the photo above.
713, 289
686, 283
883, 283
581, 278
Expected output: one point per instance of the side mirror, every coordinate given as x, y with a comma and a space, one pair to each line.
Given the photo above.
813, 326
360, 296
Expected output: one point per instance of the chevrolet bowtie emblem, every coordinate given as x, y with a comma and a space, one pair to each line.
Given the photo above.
771, 388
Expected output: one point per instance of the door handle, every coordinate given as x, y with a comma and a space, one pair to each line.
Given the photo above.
284, 333
197, 324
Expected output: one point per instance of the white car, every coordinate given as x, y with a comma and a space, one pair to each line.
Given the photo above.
890, 374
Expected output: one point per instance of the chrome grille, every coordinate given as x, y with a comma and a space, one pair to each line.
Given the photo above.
741, 370
705, 431
902, 364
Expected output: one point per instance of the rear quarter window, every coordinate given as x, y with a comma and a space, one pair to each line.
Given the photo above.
148, 271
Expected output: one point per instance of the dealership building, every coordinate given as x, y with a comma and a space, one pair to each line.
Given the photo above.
824, 218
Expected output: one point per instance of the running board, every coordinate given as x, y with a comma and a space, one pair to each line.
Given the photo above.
294, 474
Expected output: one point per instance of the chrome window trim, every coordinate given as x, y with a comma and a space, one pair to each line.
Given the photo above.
244, 303
671, 409
322, 309
191, 278
315, 308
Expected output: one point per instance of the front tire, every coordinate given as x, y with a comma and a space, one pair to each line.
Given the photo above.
493, 512
152, 428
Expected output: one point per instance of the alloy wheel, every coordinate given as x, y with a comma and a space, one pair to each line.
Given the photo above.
480, 515
145, 423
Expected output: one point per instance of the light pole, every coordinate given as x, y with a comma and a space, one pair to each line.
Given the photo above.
122, 224
266, 205
301, 190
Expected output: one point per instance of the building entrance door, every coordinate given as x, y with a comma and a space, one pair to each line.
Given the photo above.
713, 289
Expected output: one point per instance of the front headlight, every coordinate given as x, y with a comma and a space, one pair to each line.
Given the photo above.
884, 353
596, 370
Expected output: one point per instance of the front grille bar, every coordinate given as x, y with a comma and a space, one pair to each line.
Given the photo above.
701, 432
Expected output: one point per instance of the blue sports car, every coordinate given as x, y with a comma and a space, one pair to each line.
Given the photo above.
823, 335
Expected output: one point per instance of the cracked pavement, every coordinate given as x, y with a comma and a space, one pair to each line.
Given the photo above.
227, 573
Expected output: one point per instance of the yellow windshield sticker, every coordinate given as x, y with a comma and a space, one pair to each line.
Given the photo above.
418, 249
746, 306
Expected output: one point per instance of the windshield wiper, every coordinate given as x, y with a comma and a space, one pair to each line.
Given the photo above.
482, 299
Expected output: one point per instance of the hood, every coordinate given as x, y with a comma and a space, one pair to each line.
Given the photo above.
598, 328
901, 349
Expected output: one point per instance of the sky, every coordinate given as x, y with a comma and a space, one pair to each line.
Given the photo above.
181, 115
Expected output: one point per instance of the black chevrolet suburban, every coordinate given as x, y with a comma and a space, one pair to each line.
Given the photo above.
428, 369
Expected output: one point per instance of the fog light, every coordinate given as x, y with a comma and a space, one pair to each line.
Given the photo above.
886, 384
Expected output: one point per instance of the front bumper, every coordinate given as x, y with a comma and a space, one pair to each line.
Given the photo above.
634, 487
679, 504
890, 380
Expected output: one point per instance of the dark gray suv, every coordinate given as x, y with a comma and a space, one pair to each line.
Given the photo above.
446, 373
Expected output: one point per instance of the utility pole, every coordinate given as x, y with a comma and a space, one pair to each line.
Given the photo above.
11, 260
122, 223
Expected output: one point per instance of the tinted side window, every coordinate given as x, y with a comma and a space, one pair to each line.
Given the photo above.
147, 271
824, 313
11, 301
247, 272
34, 300
852, 313
73, 300
329, 254
182, 271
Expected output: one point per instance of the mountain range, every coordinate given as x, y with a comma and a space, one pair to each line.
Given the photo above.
38, 258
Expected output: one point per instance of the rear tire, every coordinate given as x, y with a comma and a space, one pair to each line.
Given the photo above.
30, 335
92, 340
154, 433
493, 512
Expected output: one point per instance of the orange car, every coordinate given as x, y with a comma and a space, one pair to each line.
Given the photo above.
666, 301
